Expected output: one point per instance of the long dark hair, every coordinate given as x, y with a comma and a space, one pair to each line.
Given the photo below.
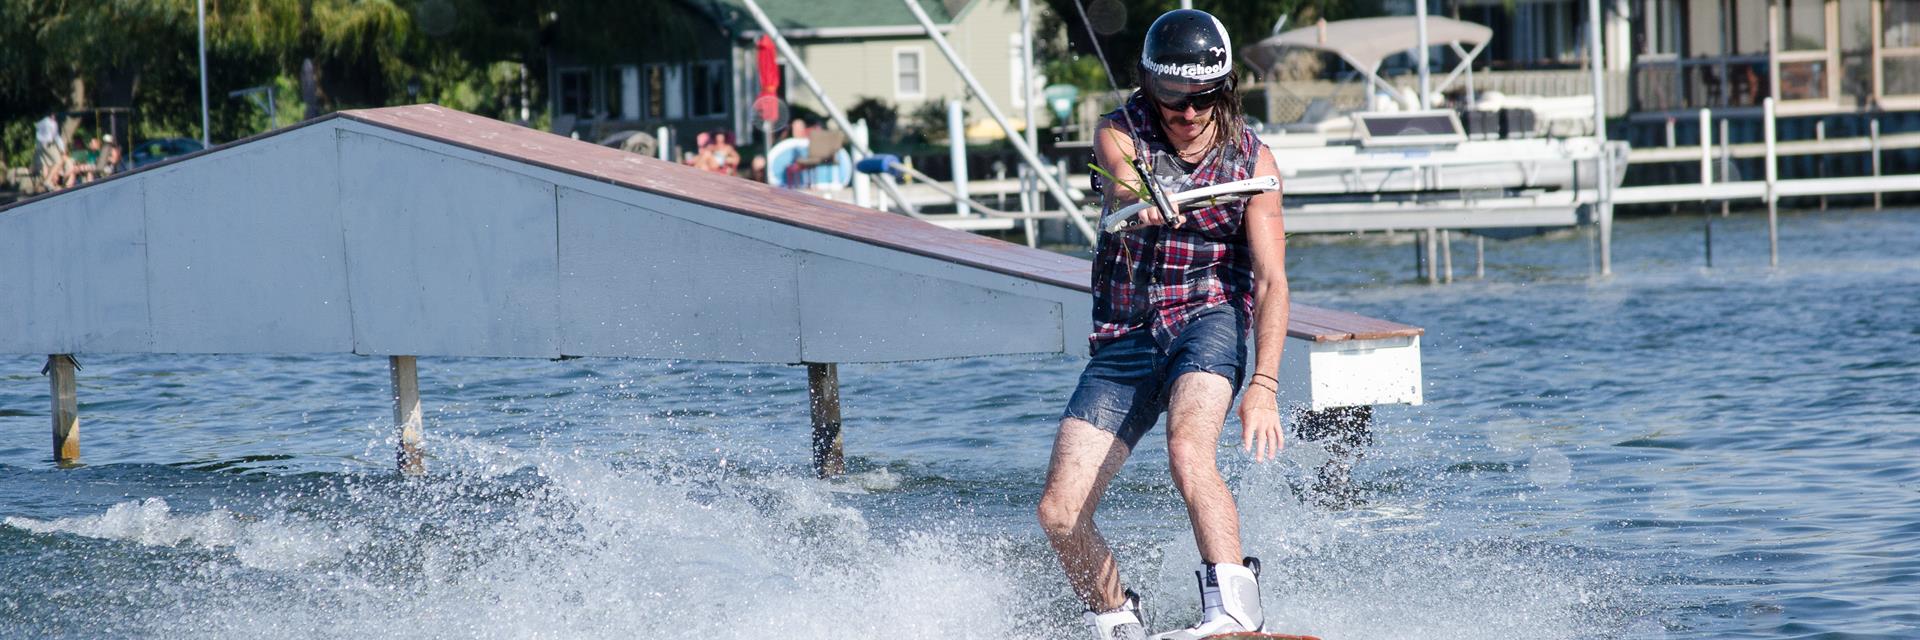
1229, 115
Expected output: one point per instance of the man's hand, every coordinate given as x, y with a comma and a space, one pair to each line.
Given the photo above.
1260, 423
1152, 217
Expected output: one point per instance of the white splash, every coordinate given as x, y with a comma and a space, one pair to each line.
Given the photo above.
272, 543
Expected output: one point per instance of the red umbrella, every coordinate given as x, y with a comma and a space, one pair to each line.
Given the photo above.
769, 68
767, 107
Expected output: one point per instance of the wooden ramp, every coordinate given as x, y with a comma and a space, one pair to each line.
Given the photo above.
423, 231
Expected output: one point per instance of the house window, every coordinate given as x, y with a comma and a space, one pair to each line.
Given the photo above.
709, 88
575, 94
1856, 51
656, 91
1548, 32
1663, 27
1747, 23
1900, 52
665, 89
909, 73
629, 84
1900, 27
1806, 25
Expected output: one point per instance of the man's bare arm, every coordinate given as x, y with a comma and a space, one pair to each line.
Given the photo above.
1267, 236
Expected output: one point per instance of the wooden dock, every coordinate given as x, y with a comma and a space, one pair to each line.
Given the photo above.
418, 231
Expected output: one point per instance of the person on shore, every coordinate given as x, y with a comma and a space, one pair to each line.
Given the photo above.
722, 157
109, 162
1173, 300
757, 169
52, 168
700, 158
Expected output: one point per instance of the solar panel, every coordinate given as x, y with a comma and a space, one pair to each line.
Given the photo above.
1410, 129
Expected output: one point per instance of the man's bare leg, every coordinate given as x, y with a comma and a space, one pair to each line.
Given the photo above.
1195, 415
1085, 458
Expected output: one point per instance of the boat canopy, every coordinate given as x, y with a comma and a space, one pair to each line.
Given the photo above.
1365, 42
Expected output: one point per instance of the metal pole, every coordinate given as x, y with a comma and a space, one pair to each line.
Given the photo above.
1419, 254
957, 154
1706, 147
1706, 177
1432, 240
206, 135
1020, 144
1027, 97
1873, 135
1706, 239
1726, 165
1480, 257
1029, 205
1473, 102
862, 183
806, 77
1420, 18
1597, 60
1820, 160
1773, 198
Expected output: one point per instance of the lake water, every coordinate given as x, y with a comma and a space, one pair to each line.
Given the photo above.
1671, 452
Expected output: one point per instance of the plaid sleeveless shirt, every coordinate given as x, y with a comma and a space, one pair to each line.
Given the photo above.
1158, 278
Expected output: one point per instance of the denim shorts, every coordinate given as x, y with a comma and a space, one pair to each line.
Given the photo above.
1124, 388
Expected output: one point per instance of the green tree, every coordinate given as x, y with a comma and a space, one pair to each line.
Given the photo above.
1122, 26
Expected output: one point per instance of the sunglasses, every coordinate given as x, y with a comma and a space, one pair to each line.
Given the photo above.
1179, 100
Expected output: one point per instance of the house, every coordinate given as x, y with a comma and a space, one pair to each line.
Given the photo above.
1816, 57
854, 48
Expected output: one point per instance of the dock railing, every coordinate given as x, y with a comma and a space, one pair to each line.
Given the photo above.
1771, 188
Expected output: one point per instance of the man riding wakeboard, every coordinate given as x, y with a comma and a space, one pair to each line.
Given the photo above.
1174, 296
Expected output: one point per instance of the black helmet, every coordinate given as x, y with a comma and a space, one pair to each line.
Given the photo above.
1186, 45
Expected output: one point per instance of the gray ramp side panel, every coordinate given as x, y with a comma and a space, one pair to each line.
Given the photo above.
1061, 322
73, 273
446, 256
635, 282
853, 312
786, 237
790, 236
244, 250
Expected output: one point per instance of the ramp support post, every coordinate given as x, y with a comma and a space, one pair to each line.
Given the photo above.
66, 408
1346, 432
823, 394
410, 457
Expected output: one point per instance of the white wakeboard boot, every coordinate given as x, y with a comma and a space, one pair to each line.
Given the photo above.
1119, 624
1229, 602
